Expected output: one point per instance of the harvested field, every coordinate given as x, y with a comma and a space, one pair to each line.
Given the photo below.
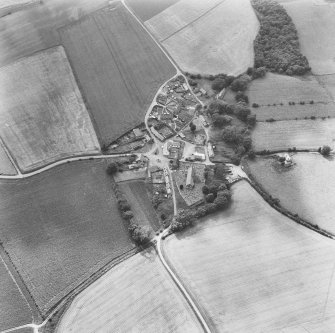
6, 166
315, 23
43, 117
146, 9
14, 310
137, 295
35, 28
304, 188
210, 37
302, 134
61, 226
281, 89
119, 84
251, 269
137, 195
328, 82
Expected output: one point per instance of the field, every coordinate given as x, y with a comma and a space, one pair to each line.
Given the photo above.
137, 195
6, 166
118, 83
315, 23
11, 6
209, 37
302, 134
14, 310
304, 189
61, 226
253, 270
135, 296
328, 81
43, 117
276, 89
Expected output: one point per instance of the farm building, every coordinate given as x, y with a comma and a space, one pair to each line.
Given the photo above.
203, 120
189, 178
210, 150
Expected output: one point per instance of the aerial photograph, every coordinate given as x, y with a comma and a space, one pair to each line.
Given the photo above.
167, 166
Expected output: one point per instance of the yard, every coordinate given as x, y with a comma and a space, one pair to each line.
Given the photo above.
118, 83
43, 117
302, 134
305, 189
251, 269
209, 37
61, 226
137, 295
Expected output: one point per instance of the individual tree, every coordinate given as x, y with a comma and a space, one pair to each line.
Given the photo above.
325, 150
112, 168
124, 206
127, 215
210, 197
221, 201
193, 127
205, 189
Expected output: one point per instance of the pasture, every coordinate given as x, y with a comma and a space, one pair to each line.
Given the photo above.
328, 82
6, 166
14, 310
302, 134
305, 189
43, 117
61, 226
315, 23
250, 269
138, 197
208, 37
137, 295
118, 83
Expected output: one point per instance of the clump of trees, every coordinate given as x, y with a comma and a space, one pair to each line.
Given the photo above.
277, 45
112, 168
240, 83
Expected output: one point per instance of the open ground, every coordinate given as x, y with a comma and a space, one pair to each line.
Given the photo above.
118, 82
209, 37
43, 117
137, 295
302, 134
305, 188
61, 226
251, 269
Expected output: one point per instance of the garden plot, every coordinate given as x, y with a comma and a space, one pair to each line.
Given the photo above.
302, 134
250, 269
208, 37
61, 226
43, 117
305, 188
118, 83
315, 23
135, 296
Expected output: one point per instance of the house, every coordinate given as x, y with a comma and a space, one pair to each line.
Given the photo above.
138, 133
210, 150
185, 86
199, 156
203, 120
182, 135
203, 91
189, 178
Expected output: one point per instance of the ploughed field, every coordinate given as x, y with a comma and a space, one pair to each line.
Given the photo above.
137, 295
61, 226
43, 117
302, 134
306, 188
208, 36
119, 68
14, 310
250, 269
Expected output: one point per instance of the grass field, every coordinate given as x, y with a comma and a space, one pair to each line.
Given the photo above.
315, 23
14, 310
118, 83
302, 134
276, 89
43, 117
210, 37
253, 270
305, 189
135, 296
61, 226
137, 195
6, 166
328, 81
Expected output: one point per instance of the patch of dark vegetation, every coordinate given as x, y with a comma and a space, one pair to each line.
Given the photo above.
277, 45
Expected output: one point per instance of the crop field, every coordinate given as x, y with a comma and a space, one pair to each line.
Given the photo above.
137, 195
274, 89
6, 166
118, 83
315, 23
304, 189
14, 310
328, 81
137, 295
43, 117
209, 37
61, 226
251, 269
302, 134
